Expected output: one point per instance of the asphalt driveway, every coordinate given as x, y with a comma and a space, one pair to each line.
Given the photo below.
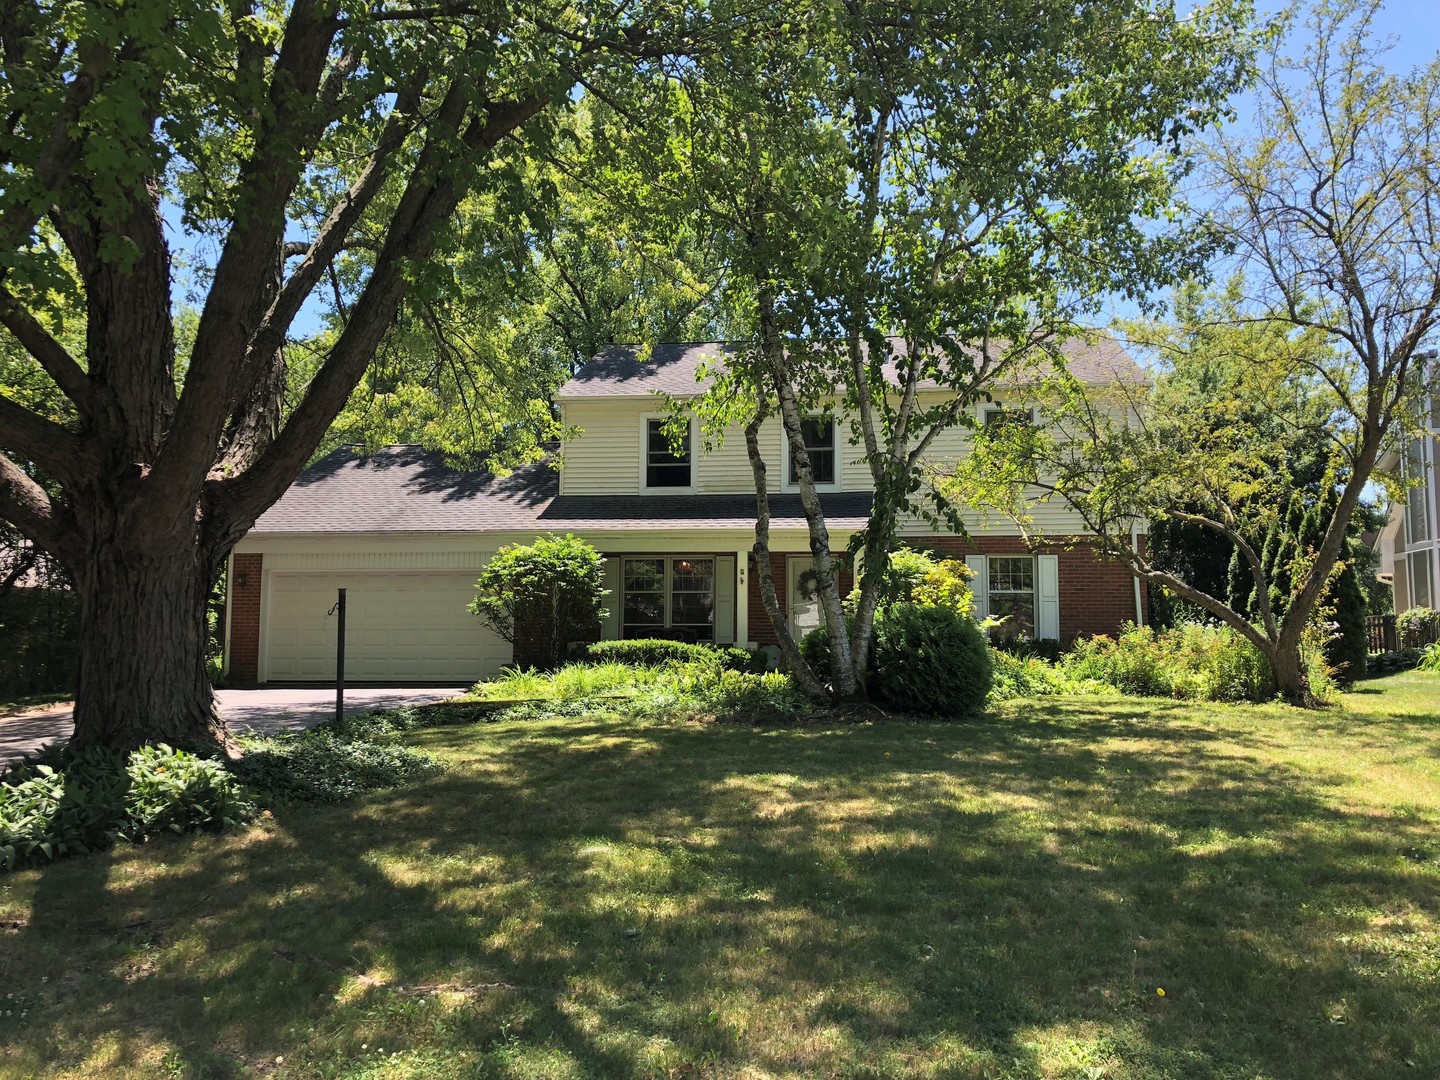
244, 710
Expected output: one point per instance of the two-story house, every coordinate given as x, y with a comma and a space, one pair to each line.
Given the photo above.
406, 536
1409, 545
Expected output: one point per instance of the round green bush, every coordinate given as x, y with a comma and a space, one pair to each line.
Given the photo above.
931, 660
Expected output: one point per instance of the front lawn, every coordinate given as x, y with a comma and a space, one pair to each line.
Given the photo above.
1074, 887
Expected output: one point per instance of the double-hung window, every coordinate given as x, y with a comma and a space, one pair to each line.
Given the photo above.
669, 598
666, 464
1012, 594
818, 433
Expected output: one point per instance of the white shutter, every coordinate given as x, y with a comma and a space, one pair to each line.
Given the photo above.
1047, 597
610, 624
980, 584
725, 600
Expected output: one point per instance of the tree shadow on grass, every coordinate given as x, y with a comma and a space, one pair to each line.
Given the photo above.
908, 900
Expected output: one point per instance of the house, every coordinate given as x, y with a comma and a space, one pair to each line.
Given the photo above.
406, 536
1409, 545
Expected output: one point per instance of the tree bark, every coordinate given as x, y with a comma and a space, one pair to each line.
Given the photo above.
1291, 681
142, 647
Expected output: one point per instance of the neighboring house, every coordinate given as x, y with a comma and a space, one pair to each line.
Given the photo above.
1409, 545
406, 536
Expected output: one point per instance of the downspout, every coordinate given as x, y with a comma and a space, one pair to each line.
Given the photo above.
1135, 547
229, 607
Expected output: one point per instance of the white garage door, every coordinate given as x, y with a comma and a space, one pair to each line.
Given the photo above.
399, 627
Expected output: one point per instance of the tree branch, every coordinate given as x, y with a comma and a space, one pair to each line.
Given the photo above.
47, 351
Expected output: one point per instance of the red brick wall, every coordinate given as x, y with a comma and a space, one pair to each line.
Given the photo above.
245, 621
1097, 595
762, 632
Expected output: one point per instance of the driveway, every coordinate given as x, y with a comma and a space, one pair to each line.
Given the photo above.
244, 710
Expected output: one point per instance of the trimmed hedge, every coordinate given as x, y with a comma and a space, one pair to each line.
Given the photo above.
651, 652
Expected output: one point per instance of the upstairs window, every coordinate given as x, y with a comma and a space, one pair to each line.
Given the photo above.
1000, 415
664, 467
819, 435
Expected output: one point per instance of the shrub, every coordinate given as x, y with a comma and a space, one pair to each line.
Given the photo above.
917, 577
931, 660
542, 597
1018, 676
1025, 648
59, 805
1417, 627
1190, 661
649, 652
1430, 658
815, 647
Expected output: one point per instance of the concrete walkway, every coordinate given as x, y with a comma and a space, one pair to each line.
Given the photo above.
244, 710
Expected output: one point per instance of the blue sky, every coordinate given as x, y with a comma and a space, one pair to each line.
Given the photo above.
1412, 25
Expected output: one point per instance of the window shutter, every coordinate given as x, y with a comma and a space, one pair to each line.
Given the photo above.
980, 584
1047, 597
725, 600
610, 624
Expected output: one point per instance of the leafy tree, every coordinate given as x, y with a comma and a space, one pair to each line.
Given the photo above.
320, 150
542, 597
914, 203
473, 371
1332, 206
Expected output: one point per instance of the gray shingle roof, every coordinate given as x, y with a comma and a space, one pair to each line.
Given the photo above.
409, 489
617, 371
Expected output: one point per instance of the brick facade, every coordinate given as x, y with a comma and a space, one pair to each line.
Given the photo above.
1097, 594
245, 621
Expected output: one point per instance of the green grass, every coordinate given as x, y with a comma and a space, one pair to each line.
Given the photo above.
601, 897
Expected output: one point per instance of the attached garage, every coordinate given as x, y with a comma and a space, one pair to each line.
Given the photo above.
400, 627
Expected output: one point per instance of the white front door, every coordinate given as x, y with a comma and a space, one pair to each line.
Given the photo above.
805, 614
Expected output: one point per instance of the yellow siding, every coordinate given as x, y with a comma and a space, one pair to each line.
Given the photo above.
605, 460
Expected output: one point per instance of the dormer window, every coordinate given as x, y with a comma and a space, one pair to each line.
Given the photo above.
819, 435
664, 466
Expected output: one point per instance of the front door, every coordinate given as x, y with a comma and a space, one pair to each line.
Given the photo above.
805, 614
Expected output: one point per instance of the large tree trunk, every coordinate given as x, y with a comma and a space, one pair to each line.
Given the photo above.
142, 647
1291, 681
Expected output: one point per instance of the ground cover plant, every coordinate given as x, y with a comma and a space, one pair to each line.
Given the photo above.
609, 896
340, 759
57, 803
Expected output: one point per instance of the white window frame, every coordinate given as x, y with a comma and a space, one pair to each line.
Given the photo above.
834, 485
645, 488
662, 630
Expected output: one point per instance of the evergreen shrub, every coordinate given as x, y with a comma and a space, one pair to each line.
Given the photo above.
931, 660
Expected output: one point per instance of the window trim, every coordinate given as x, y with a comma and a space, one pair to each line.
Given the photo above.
789, 485
645, 488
